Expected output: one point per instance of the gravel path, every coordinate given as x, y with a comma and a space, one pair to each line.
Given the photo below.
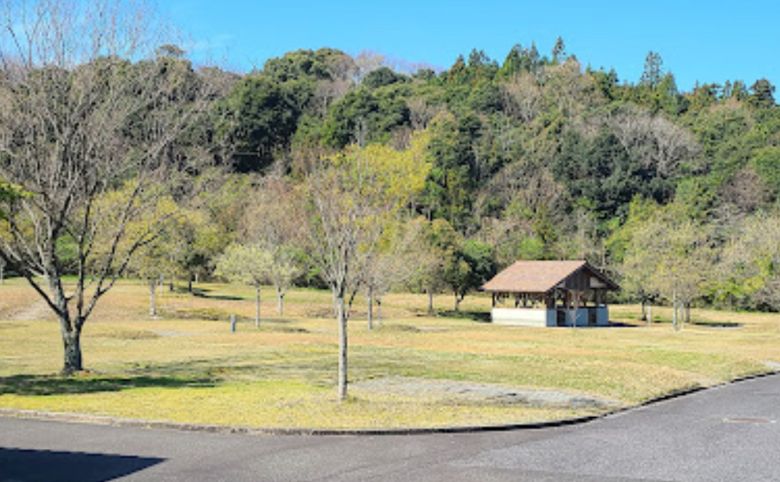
462, 391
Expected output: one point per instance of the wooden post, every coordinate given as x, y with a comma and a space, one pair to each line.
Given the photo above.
232, 323
370, 308
153, 297
257, 305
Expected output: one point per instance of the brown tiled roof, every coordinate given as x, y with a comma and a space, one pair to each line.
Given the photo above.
536, 276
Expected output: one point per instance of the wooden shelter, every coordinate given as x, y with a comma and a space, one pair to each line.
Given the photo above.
550, 293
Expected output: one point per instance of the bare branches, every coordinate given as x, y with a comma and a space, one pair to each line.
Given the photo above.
655, 141
91, 137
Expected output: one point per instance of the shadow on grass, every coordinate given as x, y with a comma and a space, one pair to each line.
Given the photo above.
717, 324
701, 323
622, 324
478, 316
206, 293
41, 385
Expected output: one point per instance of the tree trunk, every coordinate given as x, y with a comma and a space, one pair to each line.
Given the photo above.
687, 312
71, 340
170, 285
152, 297
189, 285
257, 306
644, 310
2, 274
430, 302
280, 301
370, 308
649, 314
341, 315
674, 310
457, 302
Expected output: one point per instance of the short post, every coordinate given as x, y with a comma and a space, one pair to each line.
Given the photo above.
232, 323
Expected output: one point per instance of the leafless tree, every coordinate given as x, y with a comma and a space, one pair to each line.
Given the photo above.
366, 62
522, 97
78, 123
746, 191
274, 221
656, 142
421, 112
343, 236
352, 198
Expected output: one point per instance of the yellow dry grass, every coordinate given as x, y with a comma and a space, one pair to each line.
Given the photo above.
186, 366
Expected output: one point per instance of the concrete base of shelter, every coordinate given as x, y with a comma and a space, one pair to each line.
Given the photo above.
541, 317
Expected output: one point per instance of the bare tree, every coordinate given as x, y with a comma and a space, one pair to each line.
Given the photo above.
522, 97
351, 200
78, 120
656, 142
421, 112
274, 222
343, 235
365, 63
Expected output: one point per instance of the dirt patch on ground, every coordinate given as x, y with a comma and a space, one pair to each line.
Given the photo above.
35, 311
772, 364
471, 392
129, 335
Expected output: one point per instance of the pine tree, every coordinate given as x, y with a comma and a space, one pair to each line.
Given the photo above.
651, 75
762, 94
559, 50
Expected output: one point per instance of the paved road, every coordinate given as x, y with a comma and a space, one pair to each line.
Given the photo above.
728, 434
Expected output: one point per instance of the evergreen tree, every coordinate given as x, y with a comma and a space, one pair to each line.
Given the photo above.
558, 51
762, 94
651, 75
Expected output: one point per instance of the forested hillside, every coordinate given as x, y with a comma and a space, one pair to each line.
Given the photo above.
540, 157
533, 156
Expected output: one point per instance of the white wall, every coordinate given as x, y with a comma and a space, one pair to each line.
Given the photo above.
520, 316
544, 317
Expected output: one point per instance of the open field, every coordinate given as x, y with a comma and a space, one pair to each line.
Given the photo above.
186, 366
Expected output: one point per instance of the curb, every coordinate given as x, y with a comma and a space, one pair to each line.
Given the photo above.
222, 429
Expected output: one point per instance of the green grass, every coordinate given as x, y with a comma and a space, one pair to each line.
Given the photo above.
186, 366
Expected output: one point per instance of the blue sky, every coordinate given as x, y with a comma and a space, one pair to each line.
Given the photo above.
706, 41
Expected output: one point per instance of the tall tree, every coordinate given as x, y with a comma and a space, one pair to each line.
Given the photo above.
351, 198
558, 50
651, 75
77, 121
762, 93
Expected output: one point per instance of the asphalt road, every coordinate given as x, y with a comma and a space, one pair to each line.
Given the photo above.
728, 433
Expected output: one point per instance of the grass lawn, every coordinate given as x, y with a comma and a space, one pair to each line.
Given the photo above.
186, 366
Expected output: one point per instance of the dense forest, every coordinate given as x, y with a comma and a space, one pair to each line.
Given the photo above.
540, 157
531, 157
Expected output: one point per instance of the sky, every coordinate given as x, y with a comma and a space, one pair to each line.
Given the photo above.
698, 41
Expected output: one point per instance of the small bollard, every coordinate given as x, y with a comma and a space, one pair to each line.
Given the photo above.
232, 323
